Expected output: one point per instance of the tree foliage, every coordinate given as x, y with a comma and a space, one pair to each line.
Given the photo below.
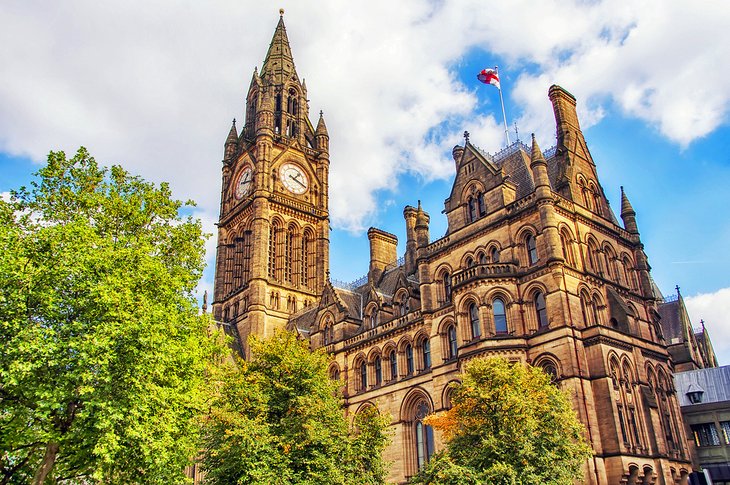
509, 425
104, 356
279, 419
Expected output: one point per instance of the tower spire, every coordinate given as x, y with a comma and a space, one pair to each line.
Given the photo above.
279, 62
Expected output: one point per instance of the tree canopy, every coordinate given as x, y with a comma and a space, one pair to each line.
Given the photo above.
508, 425
104, 353
279, 419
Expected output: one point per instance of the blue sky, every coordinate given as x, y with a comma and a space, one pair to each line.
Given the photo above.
154, 86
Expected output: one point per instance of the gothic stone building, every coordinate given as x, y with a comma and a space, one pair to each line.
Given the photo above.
534, 267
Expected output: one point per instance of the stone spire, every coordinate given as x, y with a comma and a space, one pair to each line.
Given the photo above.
279, 63
321, 126
539, 169
231, 141
628, 214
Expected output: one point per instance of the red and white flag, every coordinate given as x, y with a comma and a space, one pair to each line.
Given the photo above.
489, 76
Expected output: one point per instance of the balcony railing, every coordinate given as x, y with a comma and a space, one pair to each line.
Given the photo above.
480, 271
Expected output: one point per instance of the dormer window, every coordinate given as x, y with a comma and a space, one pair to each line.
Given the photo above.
694, 394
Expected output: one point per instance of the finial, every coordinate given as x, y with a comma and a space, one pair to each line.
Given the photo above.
419, 204
466, 136
234, 121
677, 288
321, 113
702, 323
517, 132
281, 12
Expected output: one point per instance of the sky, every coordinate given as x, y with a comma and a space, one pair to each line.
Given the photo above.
154, 85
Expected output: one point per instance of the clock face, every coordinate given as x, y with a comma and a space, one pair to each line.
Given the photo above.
245, 182
293, 178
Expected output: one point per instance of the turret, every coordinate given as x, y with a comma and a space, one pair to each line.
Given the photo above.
538, 165
422, 220
231, 145
544, 195
410, 214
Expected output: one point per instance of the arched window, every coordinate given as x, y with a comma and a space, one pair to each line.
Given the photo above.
289, 255
424, 435
373, 318
476, 330
363, 375
335, 373
273, 250
378, 371
500, 316
482, 258
596, 307
393, 358
307, 259
593, 260
447, 286
327, 335
586, 307
426, 353
531, 247
469, 262
451, 337
541, 310
409, 359
494, 255
403, 304
566, 243
480, 203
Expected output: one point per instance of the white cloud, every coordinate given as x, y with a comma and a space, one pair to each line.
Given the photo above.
714, 309
154, 85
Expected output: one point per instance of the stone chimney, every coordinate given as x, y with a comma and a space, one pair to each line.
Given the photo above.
383, 253
410, 214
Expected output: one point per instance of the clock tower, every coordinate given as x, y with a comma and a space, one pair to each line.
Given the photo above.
273, 233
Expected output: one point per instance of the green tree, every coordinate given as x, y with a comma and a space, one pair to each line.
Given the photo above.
103, 352
509, 425
279, 419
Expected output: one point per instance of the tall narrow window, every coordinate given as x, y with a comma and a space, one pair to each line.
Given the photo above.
541, 310
472, 209
451, 336
378, 371
494, 255
363, 376
409, 359
426, 353
500, 316
531, 249
447, 287
424, 435
289, 255
393, 365
480, 203
273, 248
476, 330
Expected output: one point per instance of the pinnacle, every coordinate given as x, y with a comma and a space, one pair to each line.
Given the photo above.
233, 134
626, 208
321, 126
536, 154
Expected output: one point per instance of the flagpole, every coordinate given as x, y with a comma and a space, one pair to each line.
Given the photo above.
504, 116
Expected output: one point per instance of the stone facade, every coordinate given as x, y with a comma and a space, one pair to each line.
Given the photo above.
534, 267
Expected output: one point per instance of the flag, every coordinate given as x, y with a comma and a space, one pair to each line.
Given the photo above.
489, 76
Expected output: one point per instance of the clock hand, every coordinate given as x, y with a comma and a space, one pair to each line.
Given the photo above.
297, 181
